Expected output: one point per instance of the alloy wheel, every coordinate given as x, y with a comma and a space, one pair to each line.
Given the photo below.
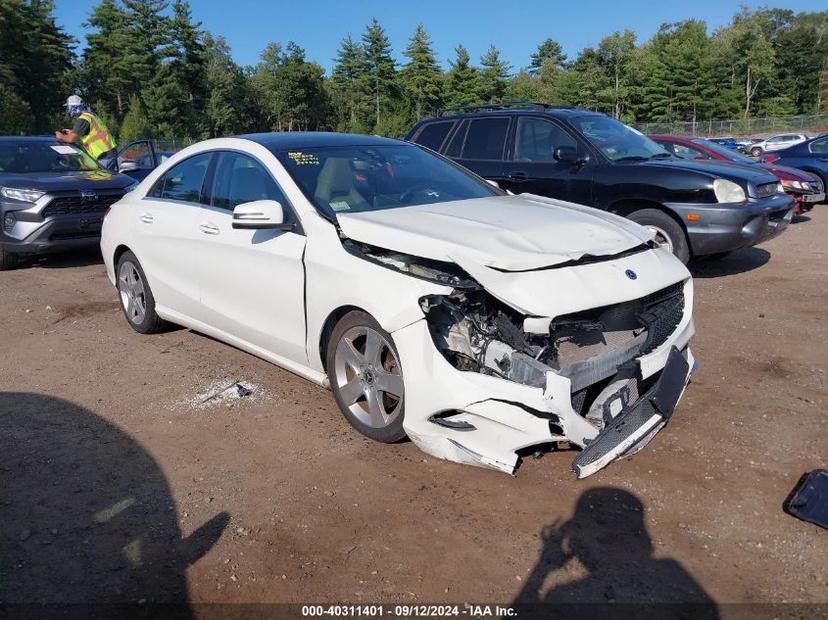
133, 293
368, 376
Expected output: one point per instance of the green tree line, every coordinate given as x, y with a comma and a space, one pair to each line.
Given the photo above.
150, 69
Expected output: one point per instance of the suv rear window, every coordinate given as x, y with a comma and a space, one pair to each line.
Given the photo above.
432, 135
485, 138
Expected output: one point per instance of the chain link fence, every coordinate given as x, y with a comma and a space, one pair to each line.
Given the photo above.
814, 123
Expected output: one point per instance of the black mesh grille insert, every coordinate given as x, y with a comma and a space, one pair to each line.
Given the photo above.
76, 205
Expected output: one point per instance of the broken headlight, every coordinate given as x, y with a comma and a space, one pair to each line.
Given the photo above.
439, 272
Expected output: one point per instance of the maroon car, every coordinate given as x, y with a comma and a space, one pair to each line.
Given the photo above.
803, 187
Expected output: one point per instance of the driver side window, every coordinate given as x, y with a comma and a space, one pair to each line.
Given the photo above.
536, 140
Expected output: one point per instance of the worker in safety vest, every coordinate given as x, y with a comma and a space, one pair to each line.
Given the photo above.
89, 131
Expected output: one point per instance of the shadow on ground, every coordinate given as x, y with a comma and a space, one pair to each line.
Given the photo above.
62, 260
87, 515
600, 564
740, 261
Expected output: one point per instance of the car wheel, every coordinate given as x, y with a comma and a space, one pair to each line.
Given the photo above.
8, 260
366, 377
668, 233
137, 301
756, 151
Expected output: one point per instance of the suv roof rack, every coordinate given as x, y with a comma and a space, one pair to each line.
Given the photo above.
503, 105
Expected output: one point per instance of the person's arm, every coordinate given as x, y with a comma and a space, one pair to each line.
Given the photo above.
67, 135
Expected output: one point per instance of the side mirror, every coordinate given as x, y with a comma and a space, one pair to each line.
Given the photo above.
260, 215
127, 166
569, 155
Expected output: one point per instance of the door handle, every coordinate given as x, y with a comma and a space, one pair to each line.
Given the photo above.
208, 229
146, 218
518, 175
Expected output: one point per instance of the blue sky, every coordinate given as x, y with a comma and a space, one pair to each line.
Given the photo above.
515, 27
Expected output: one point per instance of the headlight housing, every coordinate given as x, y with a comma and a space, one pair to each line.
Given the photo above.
728, 191
22, 195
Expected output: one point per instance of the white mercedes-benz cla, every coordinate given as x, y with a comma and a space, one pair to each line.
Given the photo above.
433, 304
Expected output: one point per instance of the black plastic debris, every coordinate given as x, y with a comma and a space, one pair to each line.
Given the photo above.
809, 499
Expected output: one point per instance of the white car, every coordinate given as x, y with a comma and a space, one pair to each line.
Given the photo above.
776, 143
434, 305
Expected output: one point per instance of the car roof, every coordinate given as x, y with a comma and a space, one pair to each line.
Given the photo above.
555, 111
49, 139
316, 139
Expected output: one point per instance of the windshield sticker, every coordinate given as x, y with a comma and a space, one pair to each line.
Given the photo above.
340, 205
64, 149
303, 159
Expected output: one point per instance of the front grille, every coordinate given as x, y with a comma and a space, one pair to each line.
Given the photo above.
764, 190
78, 205
67, 236
649, 320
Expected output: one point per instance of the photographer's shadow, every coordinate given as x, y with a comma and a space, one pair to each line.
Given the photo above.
608, 537
88, 516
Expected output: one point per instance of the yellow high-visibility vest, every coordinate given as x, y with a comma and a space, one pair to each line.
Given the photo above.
98, 141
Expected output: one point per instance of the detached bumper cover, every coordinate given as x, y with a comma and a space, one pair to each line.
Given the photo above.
633, 428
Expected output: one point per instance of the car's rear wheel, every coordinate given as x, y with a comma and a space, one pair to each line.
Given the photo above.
756, 151
366, 377
8, 260
137, 301
668, 233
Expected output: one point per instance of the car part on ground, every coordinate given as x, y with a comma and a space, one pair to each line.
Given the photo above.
809, 498
476, 323
53, 197
591, 159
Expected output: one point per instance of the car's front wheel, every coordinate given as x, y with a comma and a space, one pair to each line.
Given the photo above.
366, 377
668, 233
756, 151
137, 301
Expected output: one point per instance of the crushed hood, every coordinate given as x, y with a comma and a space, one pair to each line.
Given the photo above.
508, 233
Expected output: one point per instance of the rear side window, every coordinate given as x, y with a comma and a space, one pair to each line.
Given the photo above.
820, 146
688, 152
486, 138
456, 145
433, 134
537, 139
184, 181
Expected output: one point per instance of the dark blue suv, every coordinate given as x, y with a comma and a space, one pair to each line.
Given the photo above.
694, 208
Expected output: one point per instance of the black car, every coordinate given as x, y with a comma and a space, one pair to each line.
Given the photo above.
694, 208
53, 197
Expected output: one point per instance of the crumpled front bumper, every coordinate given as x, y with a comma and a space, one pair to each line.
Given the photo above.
493, 418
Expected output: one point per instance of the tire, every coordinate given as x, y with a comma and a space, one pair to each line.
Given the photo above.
361, 360
8, 260
135, 294
756, 151
668, 231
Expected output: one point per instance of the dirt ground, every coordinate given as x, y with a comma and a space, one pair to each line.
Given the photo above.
117, 483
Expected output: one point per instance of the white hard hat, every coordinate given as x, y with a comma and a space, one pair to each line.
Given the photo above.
74, 100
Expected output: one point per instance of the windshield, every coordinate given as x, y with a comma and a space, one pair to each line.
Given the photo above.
372, 178
617, 141
40, 156
723, 150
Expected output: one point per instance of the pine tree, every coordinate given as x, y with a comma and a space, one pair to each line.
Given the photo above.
549, 54
463, 80
422, 77
229, 107
493, 76
380, 68
35, 58
347, 80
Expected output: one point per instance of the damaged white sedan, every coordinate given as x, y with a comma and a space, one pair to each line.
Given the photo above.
435, 306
